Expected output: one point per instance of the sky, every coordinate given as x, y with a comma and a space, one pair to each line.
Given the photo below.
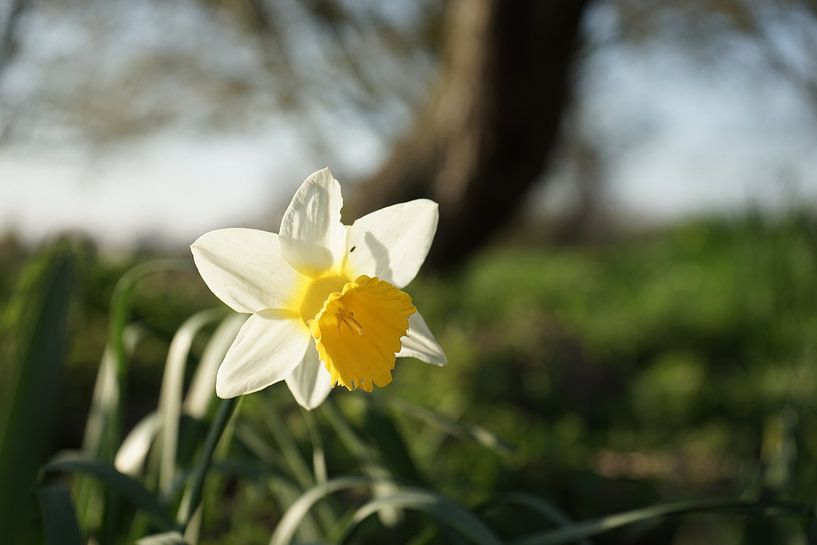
678, 140
716, 140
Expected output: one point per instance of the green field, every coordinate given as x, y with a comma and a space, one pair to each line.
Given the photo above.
674, 364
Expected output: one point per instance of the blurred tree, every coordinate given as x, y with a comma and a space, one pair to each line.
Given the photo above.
484, 137
8, 31
783, 33
481, 85
9, 23
486, 129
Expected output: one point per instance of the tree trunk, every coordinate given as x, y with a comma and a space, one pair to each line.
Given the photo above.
485, 136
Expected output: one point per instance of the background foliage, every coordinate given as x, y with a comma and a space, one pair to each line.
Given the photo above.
626, 363
656, 366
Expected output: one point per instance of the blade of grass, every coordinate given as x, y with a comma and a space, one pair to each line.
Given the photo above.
170, 396
127, 487
33, 348
542, 508
298, 467
293, 517
192, 495
131, 456
165, 538
442, 509
58, 515
193, 530
200, 395
581, 530
318, 456
117, 325
369, 457
289, 449
100, 440
284, 488
118, 321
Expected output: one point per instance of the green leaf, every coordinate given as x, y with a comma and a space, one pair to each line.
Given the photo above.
442, 509
192, 496
170, 396
300, 508
127, 487
540, 507
581, 530
165, 538
370, 458
298, 467
289, 449
119, 315
32, 350
101, 511
283, 486
99, 441
202, 389
101, 430
131, 456
59, 518
318, 454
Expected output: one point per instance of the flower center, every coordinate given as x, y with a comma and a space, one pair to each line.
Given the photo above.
316, 294
358, 329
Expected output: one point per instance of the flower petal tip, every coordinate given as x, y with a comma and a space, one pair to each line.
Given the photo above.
224, 393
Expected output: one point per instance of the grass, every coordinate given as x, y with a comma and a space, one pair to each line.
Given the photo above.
671, 364
661, 366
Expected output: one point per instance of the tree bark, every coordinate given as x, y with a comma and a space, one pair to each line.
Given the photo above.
484, 137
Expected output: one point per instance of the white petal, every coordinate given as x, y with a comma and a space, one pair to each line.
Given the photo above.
268, 347
420, 343
392, 243
310, 382
245, 269
312, 237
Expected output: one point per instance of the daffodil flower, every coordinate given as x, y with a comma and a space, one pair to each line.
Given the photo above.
325, 300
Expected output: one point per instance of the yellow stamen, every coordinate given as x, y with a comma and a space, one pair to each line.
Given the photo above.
374, 316
348, 317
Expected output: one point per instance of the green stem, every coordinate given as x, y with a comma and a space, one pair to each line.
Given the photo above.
192, 497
